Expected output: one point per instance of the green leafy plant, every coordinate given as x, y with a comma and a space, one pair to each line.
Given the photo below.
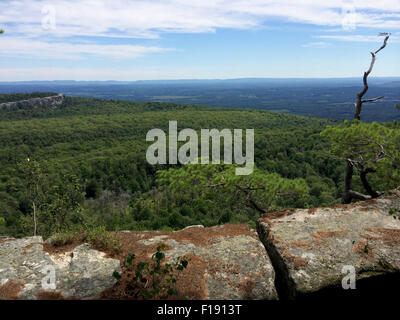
154, 279
55, 200
395, 213
100, 237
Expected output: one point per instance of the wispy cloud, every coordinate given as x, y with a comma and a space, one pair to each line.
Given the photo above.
17, 47
357, 38
90, 74
127, 29
149, 19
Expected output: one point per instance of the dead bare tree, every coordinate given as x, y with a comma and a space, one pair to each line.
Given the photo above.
349, 194
360, 95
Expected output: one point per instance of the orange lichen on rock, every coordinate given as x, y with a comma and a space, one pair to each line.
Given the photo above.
300, 244
387, 236
10, 290
320, 237
267, 217
312, 210
323, 233
366, 252
296, 262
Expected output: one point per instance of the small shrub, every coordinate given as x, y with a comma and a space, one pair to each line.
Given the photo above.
98, 237
64, 238
155, 279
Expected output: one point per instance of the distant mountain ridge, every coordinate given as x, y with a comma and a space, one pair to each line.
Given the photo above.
347, 80
324, 98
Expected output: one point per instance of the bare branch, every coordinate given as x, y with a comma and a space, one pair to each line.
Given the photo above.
252, 203
372, 100
372, 63
247, 191
215, 185
384, 43
359, 196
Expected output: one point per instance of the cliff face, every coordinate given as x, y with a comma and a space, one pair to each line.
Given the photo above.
295, 254
34, 103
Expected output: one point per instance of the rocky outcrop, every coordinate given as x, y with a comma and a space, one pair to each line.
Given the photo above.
295, 254
26, 271
225, 262
52, 101
313, 250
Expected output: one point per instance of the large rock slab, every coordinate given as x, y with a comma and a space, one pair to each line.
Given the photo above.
82, 273
225, 262
309, 248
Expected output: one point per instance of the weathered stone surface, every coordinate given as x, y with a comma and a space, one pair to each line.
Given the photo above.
35, 102
82, 273
306, 253
225, 262
309, 248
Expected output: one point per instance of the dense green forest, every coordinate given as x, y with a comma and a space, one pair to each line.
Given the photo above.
84, 163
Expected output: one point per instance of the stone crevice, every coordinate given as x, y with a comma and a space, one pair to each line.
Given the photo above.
284, 285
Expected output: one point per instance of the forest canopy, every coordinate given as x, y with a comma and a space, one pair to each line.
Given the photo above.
91, 157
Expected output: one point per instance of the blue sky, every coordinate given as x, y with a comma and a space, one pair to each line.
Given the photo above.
202, 39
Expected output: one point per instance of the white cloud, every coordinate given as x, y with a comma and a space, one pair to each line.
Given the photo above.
16, 47
143, 18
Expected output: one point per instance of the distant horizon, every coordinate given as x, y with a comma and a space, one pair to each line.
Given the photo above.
319, 97
205, 79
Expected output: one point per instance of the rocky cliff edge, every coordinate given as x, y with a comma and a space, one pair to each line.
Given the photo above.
294, 254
